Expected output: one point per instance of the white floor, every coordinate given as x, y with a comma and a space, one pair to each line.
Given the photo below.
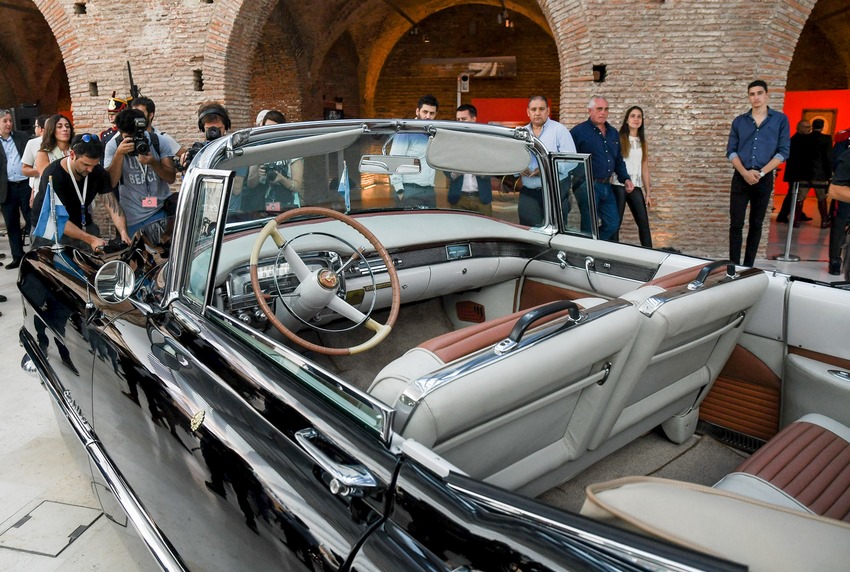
39, 478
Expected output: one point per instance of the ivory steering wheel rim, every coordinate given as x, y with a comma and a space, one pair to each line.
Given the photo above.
271, 231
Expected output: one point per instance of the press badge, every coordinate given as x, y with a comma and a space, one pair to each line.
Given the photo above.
149, 202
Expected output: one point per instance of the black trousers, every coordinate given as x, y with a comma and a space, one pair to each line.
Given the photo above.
757, 197
637, 206
17, 204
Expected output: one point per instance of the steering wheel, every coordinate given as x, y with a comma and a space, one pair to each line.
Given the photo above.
318, 289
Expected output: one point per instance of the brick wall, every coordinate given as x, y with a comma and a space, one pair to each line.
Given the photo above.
687, 62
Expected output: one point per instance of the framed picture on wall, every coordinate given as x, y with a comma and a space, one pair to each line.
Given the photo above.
828, 115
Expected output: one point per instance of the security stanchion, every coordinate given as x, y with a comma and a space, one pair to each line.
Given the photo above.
788, 257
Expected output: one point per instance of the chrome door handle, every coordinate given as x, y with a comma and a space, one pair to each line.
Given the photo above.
345, 479
840, 374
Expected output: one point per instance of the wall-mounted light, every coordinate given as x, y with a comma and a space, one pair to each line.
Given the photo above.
414, 31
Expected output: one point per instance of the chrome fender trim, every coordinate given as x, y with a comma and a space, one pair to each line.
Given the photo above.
159, 547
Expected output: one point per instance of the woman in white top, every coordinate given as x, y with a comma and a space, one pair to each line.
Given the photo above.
633, 144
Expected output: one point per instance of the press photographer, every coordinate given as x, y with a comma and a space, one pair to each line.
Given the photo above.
213, 122
136, 166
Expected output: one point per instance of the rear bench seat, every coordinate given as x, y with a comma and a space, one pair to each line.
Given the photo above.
806, 467
787, 507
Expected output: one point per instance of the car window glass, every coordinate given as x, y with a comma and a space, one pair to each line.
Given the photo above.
575, 205
210, 195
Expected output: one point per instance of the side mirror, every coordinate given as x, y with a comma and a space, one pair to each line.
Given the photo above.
115, 282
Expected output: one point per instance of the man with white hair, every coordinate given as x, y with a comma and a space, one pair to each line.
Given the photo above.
598, 138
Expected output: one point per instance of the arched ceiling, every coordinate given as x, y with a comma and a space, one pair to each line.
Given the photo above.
822, 57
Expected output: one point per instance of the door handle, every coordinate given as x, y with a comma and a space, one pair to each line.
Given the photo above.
345, 479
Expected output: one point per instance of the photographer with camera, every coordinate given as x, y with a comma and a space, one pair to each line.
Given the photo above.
140, 172
277, 185
164, 143
213, 122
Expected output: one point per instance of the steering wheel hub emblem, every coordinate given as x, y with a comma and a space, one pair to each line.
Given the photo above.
327, 278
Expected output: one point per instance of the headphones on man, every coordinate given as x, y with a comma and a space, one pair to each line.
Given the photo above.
215, 110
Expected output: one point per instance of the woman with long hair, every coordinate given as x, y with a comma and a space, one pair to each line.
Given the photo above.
633, 144
55, 144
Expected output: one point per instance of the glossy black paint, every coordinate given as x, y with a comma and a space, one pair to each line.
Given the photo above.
202, 427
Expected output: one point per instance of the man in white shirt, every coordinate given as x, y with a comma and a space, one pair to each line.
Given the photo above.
416, 189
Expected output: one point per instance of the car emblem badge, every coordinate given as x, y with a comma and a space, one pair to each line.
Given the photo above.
197, 420
327, 279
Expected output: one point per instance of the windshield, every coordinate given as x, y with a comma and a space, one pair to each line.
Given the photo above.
353, 169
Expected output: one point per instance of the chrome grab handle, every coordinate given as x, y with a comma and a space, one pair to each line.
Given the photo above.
345, 479
590, 263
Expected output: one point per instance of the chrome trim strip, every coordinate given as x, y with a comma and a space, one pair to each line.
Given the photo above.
387, 413
421, 387
625, 550
147, 529
651, 304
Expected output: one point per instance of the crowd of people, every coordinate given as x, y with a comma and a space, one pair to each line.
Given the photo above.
133, 165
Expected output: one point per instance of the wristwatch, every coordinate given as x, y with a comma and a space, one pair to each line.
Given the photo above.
761, 174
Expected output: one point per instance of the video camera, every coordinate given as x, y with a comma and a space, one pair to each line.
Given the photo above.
211, 134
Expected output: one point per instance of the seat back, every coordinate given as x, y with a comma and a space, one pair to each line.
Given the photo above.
686, 335
530, 406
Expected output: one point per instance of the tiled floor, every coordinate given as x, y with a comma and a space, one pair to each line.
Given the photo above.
809, 242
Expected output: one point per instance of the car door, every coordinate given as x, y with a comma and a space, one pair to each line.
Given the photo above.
443, 520
232, 454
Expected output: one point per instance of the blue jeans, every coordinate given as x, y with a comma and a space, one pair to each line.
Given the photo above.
606, 209
132, 228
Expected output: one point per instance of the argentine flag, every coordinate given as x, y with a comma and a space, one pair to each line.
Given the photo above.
344, 187
53, 214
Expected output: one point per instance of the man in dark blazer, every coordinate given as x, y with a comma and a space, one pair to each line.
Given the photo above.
470, 192
14, 186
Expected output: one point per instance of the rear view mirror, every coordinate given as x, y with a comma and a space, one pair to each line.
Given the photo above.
389, 165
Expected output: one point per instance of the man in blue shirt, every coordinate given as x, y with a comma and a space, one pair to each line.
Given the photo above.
416, 190
557, 139
599, 138
760, 140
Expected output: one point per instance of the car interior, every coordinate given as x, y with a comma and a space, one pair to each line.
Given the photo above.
529, 358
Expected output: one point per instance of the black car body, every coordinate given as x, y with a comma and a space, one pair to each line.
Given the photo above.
229, 446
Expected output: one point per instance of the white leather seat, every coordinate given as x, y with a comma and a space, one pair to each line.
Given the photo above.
686, 335
520, 411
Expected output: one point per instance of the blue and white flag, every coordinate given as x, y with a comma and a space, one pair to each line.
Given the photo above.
53, 216
344, 187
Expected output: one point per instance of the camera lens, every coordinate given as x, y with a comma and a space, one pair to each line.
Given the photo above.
142, 147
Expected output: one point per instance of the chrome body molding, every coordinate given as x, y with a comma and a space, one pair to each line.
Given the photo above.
147, 529
647, 560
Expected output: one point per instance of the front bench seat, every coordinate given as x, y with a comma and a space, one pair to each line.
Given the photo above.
687, 333
520, 409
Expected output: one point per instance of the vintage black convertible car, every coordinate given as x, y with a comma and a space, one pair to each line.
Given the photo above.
330, 376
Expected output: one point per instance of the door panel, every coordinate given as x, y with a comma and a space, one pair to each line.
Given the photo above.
207, 441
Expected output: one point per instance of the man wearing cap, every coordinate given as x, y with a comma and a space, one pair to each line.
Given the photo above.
114, 106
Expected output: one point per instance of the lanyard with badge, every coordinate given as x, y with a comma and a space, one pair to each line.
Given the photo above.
80, 195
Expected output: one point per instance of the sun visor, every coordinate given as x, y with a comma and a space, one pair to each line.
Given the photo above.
475, 153
309, 146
